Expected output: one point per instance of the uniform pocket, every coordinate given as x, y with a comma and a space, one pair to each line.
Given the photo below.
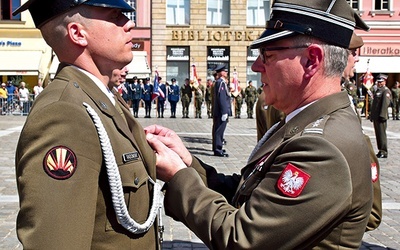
135, 182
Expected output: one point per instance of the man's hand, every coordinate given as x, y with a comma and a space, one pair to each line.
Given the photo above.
168, 162
171, 140
224, 117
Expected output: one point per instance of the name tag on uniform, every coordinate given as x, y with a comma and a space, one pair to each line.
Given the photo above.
127, 157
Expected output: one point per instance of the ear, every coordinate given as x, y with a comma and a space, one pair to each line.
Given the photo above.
77, 34
315, 55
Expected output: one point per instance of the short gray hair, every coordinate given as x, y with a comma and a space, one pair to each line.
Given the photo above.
335, 59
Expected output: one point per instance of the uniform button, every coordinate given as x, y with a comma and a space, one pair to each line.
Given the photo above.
294, 130
136, 181
76, 85
103, 105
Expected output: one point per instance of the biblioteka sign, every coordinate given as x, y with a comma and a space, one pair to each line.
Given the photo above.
191, 35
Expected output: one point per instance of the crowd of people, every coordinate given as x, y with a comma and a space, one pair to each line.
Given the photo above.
139, 93
17, 98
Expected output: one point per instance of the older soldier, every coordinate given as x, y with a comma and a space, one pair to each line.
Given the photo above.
251, 96
304, 187
380, 114
87, 182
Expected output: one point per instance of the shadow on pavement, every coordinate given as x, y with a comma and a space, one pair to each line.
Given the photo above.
200, 140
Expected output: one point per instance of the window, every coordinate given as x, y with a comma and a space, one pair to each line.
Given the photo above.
381, 4
131, 15
178, 12
258, 12
353, 4
218, 12
7, 7
178, 63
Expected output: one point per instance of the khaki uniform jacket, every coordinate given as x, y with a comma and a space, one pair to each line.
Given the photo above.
331, 210
77, 212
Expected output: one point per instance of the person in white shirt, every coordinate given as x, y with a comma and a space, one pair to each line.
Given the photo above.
24, 98
38, 89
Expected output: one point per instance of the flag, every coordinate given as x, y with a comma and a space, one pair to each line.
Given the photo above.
235, 84
193, 76
368, 80
156, 88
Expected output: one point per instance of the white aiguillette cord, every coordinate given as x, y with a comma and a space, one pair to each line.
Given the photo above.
114, 178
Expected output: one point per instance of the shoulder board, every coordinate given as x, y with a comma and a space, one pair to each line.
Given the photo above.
316, 127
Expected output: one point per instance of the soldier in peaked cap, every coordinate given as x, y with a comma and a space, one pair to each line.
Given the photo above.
221, 110
303, 166
89, 181
380, 114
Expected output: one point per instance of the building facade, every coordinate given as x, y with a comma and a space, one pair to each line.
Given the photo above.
206, 33
381, 50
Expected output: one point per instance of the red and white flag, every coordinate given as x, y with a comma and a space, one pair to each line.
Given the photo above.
156, 88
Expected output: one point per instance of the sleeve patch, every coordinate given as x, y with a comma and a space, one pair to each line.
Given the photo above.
292, 181
60, 163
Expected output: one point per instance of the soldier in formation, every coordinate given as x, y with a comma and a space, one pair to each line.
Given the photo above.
208, 96
251, 97
395, 101
173, 96
199, 92
186, 98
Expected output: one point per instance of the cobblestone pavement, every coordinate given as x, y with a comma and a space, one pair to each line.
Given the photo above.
196, 134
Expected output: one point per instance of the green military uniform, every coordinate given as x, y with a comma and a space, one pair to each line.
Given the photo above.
351, 89
375, 218
251, 97
65, 198
238, 101
208, 99
395, 101
186, 98
264, 213
379, 116
198, 99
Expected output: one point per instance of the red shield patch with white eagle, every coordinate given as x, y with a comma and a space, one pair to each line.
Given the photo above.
292, 181
60, 163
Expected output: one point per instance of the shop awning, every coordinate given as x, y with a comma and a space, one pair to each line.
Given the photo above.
389, 64
139, 66
20, 62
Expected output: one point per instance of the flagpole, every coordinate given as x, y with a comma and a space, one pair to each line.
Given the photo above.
367, 96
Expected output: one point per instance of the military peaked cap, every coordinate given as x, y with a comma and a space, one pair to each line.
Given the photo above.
332, 21
43, 11
381, 77
356, 42
221, 67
